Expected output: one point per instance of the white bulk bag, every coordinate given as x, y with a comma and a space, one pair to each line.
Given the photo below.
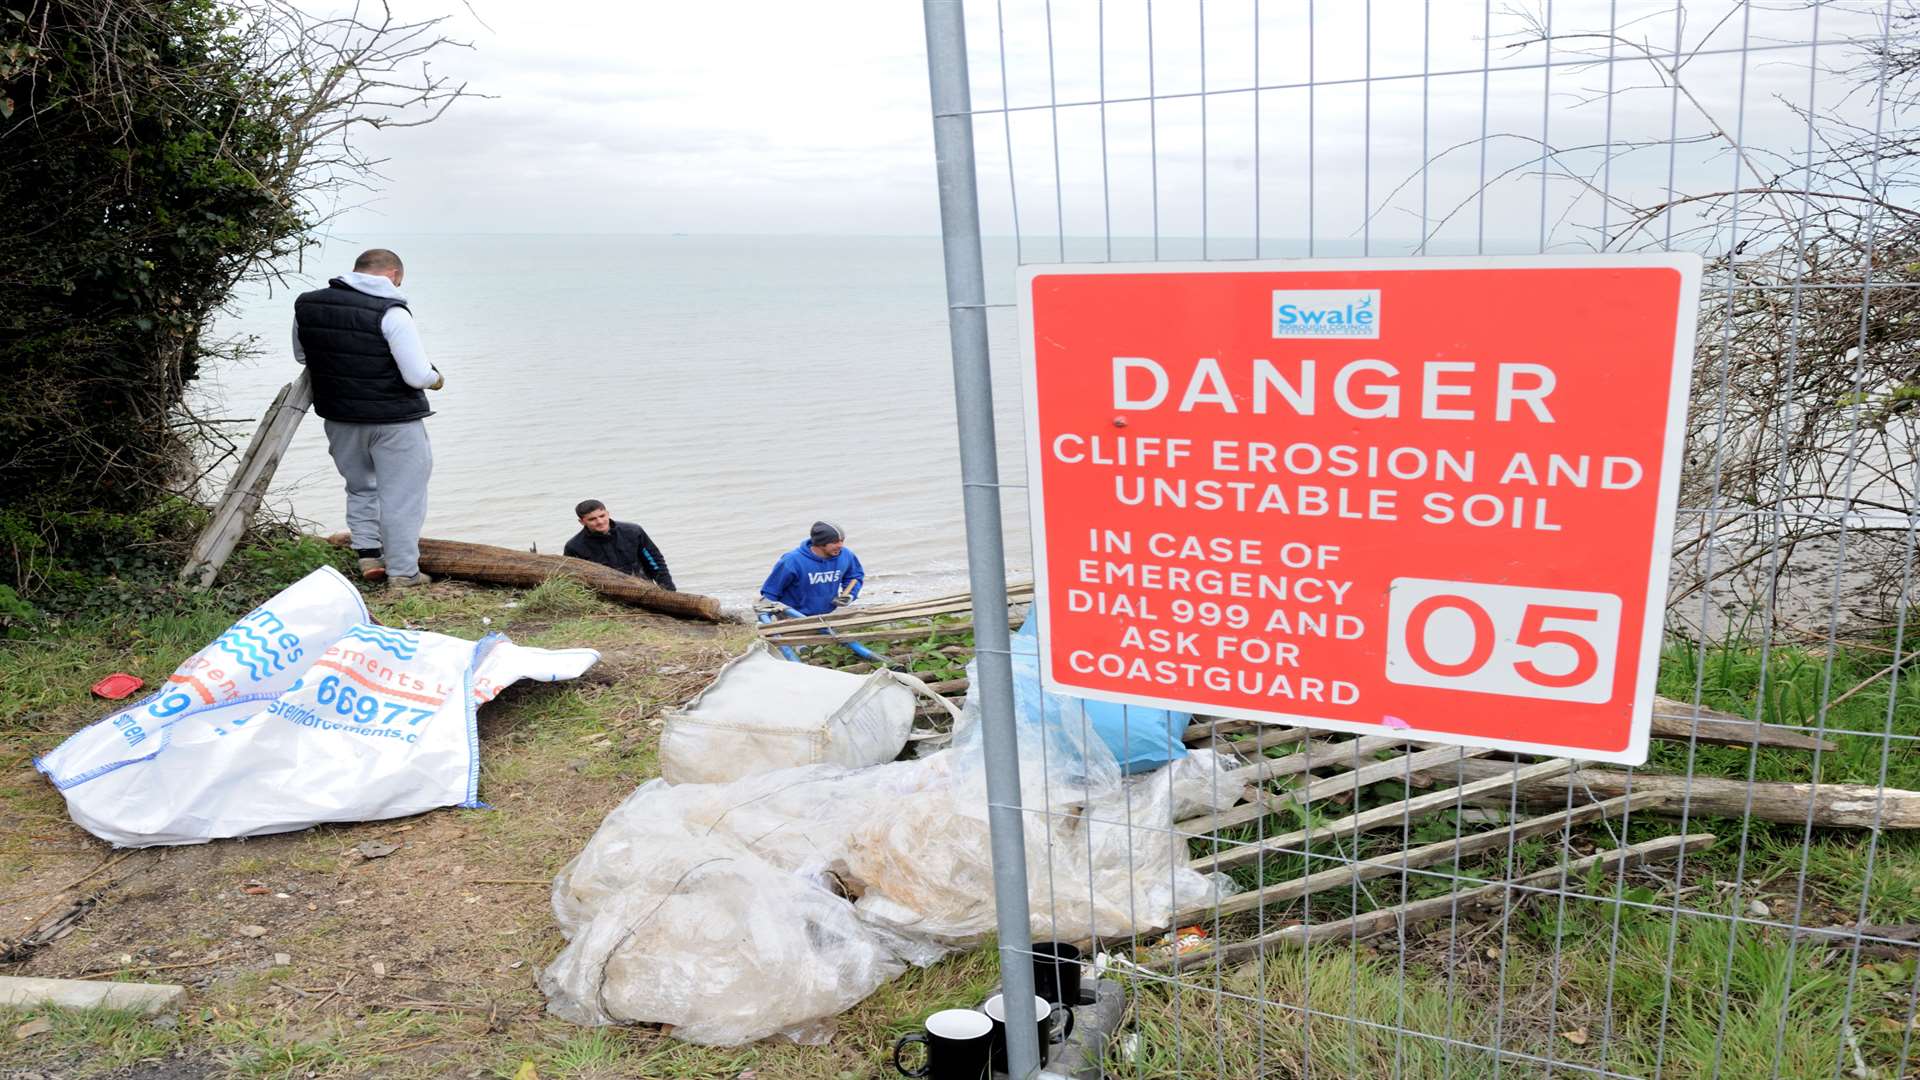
763, 713
303, 712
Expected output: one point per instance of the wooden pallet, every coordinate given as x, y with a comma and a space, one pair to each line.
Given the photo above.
1542, 797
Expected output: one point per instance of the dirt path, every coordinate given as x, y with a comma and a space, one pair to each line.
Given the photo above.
303, 945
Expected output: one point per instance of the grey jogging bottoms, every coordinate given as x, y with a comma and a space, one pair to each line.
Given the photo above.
386, 467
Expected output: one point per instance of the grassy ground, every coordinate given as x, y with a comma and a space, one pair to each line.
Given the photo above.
457, 918
1630, 975
1633, 975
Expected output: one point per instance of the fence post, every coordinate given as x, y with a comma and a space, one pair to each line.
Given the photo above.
980, 487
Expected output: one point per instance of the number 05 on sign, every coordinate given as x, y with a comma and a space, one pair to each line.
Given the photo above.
1422, 495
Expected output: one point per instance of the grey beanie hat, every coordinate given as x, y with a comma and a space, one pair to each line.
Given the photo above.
825, 532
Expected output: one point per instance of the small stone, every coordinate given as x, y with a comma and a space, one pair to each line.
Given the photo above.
311, 906
348, 902
126, 958
252, 931
256, 890
1758, 909
177, 954
376, 849
516, 965
281, 959
37, 1026
167, 1022
1578, 1036
386, 922
281, 896
380, 969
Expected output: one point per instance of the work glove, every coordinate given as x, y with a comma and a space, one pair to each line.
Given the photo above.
843, 597
438, 382
765, 606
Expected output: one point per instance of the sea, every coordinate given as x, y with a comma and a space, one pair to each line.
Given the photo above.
724, 392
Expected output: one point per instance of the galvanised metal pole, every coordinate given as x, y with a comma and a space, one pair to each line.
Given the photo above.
980, 488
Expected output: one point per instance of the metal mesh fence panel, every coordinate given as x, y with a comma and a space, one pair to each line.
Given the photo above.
1746, 903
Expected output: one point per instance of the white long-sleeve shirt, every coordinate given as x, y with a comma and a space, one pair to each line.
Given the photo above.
403, 337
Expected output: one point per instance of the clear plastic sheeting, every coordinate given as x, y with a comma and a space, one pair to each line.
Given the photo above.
768, 905
762, 713
1141, 738
676, 916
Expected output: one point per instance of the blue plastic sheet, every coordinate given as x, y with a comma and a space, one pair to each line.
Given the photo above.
1142, 739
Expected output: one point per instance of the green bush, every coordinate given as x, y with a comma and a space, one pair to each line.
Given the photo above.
143, 175
153, 153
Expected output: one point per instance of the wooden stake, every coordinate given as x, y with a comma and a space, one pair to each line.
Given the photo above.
1386, 920
1201, 730
773, 634
1425, 855
1312, 755
1375, 818
1672, 720
1339, 785
1265, 740
1675, 721
888, 613
234, 513
1859, 806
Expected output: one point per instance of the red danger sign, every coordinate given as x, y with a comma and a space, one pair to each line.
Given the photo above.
1433, 495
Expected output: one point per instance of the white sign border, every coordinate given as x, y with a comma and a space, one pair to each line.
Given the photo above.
1687, 264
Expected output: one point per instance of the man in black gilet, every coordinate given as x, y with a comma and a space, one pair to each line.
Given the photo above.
370, 377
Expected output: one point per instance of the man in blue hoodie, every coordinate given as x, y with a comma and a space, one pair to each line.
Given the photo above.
816, 577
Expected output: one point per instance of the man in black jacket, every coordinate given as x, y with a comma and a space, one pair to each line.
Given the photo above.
370, 376
621, 545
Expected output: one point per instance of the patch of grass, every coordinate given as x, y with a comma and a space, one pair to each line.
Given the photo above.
247, 867
455, 609
615, 1054
1728, 993
103, 1040
46, 681
1333, 1008
1712, 989
558, 596
590, 631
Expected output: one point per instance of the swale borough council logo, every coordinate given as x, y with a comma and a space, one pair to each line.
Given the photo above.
1326, 313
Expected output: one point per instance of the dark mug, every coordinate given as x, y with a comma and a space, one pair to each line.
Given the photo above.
1056, 973
1044, 1010
958, 1043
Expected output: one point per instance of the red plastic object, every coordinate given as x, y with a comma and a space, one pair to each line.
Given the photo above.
117, 686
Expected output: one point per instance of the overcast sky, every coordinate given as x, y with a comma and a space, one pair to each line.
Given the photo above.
761, 116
